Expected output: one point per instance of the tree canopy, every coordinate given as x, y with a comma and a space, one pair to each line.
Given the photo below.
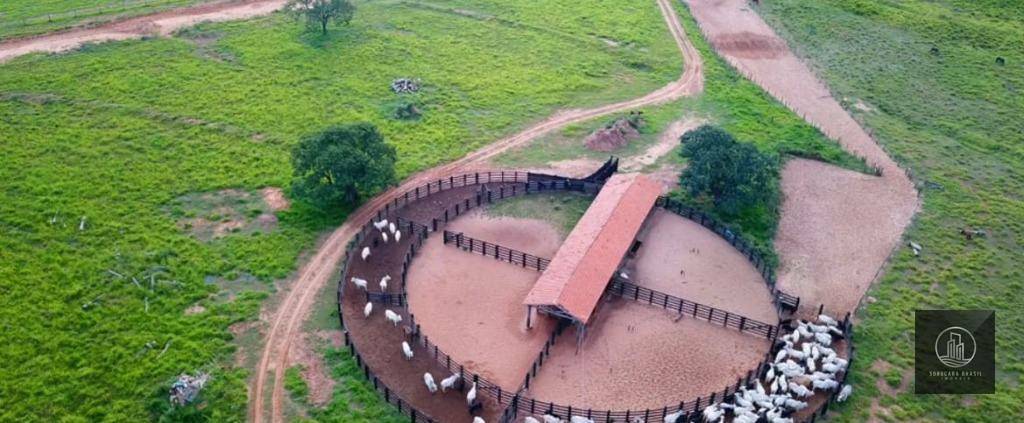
319, 13
734, 175
342, 165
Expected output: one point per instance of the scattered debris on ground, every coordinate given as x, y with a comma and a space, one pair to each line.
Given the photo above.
617, 134
405, 85
971, 233
186, 388
916, 247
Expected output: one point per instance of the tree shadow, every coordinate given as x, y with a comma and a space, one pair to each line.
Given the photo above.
335, 35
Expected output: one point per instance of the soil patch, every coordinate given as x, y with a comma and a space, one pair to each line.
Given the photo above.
274, 197
471, 305
314, 371
217, 214
682, 258
636, 356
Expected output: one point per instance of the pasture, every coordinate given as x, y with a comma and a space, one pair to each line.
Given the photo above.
115, 133
20, 18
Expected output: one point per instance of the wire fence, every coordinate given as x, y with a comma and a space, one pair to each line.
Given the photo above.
498, 252
684, 307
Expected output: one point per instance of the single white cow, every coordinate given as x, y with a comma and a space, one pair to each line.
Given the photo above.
366, 253
368, 309
392, 317
449, 382
406, 350
844, 393
471, 396
428, 379
361, 283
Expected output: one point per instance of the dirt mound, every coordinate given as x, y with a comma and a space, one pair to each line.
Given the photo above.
616, 135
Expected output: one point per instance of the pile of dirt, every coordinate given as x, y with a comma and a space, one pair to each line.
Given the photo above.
617, 134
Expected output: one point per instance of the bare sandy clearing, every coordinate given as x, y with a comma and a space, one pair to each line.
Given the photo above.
837, 227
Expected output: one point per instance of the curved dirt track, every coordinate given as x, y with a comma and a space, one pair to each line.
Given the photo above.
163, 23
837, 227
314, 275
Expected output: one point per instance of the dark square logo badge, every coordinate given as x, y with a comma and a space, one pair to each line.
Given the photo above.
954, 351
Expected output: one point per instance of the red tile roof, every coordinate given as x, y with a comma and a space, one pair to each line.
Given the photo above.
583, 266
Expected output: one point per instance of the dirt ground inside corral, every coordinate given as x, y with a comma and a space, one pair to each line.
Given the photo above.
637, 356
380, 345
682, 258
379, 342
837, 227
471, 306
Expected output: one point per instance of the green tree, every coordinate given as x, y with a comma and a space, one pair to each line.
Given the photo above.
319, 13
734, 175
342, 165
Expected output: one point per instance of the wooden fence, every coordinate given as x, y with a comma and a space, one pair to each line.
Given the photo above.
496, 251
627, 290
391, 397
517, 401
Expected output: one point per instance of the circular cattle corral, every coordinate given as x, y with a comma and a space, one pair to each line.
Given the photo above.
463, 312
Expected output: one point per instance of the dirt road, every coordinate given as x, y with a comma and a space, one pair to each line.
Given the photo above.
312, 277
163, 23
837, 227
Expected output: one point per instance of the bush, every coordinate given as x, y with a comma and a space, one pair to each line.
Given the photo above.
736, 177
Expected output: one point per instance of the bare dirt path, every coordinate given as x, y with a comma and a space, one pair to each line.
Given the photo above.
163, 24
837, 227
297, 302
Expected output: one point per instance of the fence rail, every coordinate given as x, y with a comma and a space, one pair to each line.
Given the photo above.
496, 251
685, 307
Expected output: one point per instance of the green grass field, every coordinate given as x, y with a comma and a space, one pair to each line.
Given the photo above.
128, 135
926, 77
20, 18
